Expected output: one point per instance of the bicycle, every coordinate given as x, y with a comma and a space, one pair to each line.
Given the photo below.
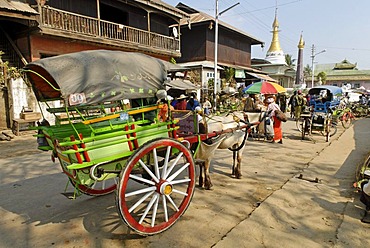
306, 122
345, 116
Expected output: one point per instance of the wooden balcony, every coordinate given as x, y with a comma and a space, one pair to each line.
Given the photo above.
67, 24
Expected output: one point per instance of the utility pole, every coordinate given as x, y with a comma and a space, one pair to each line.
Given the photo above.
313, 55
215, 83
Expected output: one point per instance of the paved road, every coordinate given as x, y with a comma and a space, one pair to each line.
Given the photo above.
268, 207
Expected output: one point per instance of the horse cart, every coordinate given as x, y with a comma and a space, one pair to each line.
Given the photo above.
107, 135
318, 117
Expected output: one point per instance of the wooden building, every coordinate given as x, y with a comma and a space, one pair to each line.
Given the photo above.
41, 28
34, 29
198, 45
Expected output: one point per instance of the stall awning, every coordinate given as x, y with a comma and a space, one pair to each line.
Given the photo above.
262, 76
181, 84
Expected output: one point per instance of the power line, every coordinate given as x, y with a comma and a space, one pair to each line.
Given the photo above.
266, 28
271, 7
348, 48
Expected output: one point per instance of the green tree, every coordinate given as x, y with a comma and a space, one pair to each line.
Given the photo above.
289, 60
322, 76
307, 71
6, 71
229, 74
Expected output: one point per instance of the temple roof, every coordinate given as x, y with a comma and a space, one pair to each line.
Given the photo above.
343, 71
344, 65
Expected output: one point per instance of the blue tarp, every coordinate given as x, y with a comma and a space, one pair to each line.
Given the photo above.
336, 91
331, 99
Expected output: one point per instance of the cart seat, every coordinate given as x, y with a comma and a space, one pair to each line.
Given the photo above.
322, 107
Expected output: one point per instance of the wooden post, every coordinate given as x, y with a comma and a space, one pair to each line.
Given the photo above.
150, 37
98, 15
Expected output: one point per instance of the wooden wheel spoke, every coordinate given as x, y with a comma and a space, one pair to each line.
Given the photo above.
174, 163
164, 202
140, 179
179, 192
156, 179
140, 191
141, 200
186, 180
156, 167
168, 153
155, 208
154, 199
174, 175
172, 202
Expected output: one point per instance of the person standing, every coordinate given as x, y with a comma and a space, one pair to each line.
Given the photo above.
299, 103
249, 103
292, 104
282, 102
207, 106
278, 132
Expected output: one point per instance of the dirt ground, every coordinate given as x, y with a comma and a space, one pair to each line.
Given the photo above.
269, 207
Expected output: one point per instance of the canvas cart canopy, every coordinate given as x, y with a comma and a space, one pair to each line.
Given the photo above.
97, 76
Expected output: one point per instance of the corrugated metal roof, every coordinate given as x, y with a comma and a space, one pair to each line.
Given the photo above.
204, 63
200, 17
18, 6
159, 4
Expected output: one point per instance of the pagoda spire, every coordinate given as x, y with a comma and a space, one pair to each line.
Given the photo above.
299, 79
275, 54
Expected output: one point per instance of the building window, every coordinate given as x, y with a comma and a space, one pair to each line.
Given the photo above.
210, 75
356, 86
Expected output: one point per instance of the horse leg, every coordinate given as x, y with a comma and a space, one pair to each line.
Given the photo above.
201, 164
233, 167
238, 172
207, 179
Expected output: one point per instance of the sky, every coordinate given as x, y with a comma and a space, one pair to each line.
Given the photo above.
340, 27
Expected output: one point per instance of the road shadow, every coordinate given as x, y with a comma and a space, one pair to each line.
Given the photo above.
346, 174
40, 202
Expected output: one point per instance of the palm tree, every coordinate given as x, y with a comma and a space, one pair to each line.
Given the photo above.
289, 60
229, 74
307, 71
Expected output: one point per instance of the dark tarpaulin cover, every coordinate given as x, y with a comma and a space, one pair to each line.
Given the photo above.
97, 76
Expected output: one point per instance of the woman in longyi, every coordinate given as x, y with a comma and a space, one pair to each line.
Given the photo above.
278, 133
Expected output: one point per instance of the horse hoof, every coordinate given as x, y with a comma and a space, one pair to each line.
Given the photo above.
208, 186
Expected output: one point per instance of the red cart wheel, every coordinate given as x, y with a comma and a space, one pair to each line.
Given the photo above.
98, 187
156, 186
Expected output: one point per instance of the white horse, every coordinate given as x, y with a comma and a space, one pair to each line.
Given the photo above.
232, 137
